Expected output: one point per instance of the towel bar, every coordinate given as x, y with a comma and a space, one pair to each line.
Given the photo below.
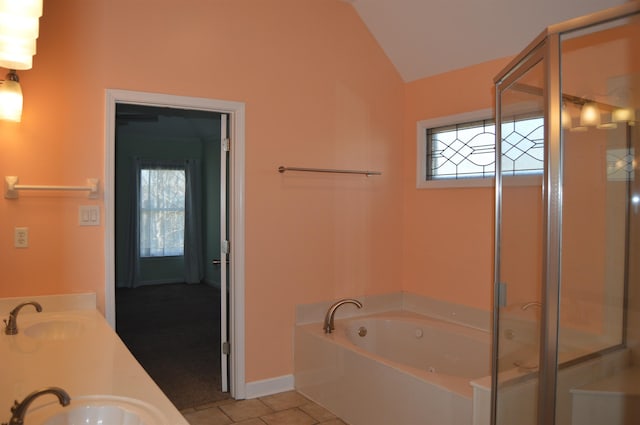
282, 169
11, 187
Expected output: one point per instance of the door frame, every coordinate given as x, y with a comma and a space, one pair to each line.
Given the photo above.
236, 112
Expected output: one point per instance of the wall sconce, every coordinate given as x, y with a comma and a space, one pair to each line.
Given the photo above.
19, 29
11, 98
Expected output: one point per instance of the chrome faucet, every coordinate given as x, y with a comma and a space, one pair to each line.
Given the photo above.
19, 410
527, 306
12, 324
328, 318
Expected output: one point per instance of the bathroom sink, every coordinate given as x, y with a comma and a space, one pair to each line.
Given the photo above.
56, 329
97, 410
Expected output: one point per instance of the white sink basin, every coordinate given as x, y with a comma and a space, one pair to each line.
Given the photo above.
53, 326
55, 330
97, 415
97, 410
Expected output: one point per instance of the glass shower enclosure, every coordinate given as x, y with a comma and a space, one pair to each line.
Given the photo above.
567, 265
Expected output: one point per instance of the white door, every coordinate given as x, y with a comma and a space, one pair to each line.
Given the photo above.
224, 255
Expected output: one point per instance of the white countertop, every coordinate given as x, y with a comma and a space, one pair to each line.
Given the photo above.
89, 359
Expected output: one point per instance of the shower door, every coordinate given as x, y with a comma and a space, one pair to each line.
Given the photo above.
520, 243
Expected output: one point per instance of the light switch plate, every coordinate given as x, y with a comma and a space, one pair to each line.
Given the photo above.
89, 215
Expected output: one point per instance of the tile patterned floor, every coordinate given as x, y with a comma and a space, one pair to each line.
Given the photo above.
288, 408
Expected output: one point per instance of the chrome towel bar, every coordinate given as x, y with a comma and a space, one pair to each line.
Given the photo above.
282, 169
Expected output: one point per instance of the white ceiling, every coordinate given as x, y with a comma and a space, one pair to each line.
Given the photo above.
428, 37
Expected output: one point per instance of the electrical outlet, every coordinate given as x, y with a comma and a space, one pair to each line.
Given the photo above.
21, 237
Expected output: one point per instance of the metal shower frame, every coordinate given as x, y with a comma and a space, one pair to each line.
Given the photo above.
546, 47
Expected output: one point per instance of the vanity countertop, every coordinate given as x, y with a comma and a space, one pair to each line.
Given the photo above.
77, 351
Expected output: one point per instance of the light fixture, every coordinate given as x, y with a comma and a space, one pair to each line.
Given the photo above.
566, 118
17, 53
623, 114
590, 115
11, 98
19, 29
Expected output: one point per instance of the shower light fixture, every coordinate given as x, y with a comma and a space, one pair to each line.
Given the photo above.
11, 98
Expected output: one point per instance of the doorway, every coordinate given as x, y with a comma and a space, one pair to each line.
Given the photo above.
170, 194
235, 112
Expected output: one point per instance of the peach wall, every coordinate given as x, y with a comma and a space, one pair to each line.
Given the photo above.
448, 237
319, 92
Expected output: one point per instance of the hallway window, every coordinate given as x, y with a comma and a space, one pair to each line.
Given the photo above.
162, 212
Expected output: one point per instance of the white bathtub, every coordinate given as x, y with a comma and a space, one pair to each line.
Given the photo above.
408, 369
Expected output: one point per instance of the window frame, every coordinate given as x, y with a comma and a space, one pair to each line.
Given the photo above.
468, 182
168, 165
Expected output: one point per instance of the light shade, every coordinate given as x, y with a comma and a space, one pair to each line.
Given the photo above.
11, 98
566, 118
19, 28
22, 7
18, 45
590, 114
623, 114
15, 60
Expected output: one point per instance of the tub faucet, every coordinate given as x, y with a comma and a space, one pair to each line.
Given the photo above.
527, 306
19, 410
328, 318
12, 324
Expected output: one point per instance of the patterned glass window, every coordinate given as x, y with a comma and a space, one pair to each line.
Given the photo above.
468, 150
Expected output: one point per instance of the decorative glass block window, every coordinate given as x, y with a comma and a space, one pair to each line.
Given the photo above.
621, 164
467, 150
162, 212
523, 146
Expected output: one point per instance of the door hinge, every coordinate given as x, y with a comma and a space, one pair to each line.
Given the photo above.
226, 145
225, 247
226, 348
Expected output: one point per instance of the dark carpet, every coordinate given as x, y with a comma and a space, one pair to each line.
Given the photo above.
173, 330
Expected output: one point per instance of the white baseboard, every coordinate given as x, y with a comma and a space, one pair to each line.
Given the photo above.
269, 386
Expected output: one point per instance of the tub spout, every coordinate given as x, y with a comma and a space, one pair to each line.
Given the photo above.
328, 318
12, 324
19, 410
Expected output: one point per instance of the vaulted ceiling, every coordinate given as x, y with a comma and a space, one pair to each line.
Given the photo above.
428, 37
